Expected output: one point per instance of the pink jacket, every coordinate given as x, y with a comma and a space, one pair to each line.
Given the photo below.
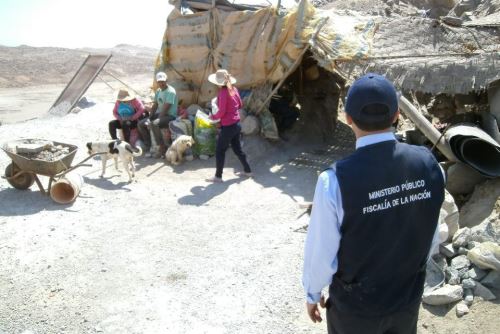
136, 104
228, 107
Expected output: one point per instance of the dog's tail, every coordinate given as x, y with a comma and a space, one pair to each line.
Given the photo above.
135, 151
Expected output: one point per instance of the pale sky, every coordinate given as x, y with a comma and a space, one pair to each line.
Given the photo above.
83, 23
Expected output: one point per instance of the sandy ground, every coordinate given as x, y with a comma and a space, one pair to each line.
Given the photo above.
168, 253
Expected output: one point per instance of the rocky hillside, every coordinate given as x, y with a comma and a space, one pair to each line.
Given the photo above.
27, 66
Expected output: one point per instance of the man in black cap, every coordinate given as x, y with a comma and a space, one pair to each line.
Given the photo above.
374, 218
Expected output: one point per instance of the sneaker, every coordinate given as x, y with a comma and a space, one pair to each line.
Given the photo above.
214, 179
241, 174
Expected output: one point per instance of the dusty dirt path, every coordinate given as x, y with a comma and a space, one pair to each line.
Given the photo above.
169, 253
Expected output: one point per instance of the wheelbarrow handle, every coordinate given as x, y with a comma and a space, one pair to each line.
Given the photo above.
80, 164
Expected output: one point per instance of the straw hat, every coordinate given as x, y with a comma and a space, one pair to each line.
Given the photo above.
221, 77
124, 95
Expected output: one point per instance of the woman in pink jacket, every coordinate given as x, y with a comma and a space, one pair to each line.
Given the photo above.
228, 102
127, 111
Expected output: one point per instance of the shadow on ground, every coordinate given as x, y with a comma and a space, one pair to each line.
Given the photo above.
292, 166
33, 202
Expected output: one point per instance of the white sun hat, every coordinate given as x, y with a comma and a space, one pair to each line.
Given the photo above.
221, 77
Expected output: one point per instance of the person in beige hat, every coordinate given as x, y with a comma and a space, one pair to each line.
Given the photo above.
229, 103
127, 111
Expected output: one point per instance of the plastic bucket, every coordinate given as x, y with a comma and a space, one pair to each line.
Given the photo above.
66, 189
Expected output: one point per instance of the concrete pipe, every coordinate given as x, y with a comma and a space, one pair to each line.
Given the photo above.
66, 189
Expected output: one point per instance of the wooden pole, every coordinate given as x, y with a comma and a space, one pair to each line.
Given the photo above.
426, 127
123, 83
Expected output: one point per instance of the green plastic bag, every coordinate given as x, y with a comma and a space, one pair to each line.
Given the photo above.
204, 135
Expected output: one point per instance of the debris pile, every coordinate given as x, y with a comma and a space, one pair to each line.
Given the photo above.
470, 263
37, 149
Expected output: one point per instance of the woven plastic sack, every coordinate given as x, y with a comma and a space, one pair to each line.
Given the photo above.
180, 127
204, 134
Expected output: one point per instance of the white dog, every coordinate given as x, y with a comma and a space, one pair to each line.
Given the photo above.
175, 152
114, 149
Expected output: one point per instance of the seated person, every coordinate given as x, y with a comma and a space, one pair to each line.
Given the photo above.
164, 111
283, 109
127, 111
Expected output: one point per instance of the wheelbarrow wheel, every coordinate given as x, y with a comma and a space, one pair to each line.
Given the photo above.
23, 181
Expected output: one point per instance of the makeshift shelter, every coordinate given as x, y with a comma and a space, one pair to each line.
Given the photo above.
261, 47
323, 49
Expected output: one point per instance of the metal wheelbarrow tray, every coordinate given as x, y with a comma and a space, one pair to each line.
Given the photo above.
25, 167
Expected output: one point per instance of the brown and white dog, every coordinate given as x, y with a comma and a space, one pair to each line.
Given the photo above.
175, 152
114, 149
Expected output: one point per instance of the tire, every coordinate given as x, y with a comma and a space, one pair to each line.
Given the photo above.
22, 181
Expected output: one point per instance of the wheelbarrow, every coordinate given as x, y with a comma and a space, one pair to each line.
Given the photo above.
25, 167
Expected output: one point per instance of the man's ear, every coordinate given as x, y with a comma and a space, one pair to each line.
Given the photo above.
396, 116
348, 119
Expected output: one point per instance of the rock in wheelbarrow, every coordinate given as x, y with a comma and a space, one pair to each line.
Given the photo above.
33, 146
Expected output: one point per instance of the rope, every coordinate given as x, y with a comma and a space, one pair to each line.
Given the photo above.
440, 137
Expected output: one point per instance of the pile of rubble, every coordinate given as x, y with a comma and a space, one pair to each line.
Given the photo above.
469, 261
38, 149
52, 153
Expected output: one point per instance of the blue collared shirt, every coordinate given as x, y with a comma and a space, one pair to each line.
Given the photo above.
323, 234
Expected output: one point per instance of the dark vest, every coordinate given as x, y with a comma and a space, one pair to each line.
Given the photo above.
391, 196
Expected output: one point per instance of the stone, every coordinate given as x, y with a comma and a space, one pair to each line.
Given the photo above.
85, 102
447, 250
250, 125
461, 309
485, 256
476, 273
460, 262
450, 216
491, 280
461, 237
462, 272
472, 244
445, 295
486, 231
483, 292
452, 276
461, 179
481, 204
33, 146
462, 251
468, 283
468, 297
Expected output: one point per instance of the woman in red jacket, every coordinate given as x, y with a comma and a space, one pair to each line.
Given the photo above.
228, 102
